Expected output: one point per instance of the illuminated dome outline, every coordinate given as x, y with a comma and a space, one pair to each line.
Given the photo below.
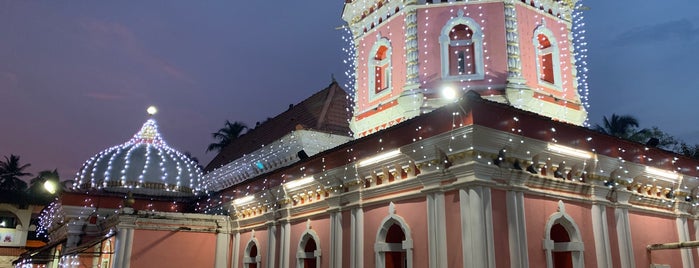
143, 165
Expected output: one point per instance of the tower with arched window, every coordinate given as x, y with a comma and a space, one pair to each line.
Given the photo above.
416, 56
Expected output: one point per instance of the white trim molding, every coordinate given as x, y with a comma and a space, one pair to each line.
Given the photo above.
554, 50
575, 246
517, 226
477, 227
357, 240
436, 230
476, 39
386, 65
600, 230
683, 235
301, 253
623, 230
257, 260
381, 247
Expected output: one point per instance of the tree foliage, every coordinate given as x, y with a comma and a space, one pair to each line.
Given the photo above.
224, 136
623, 126
11, 172
628, 127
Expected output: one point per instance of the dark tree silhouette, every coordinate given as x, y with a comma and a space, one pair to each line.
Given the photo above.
225, 135
623, 126
11, 172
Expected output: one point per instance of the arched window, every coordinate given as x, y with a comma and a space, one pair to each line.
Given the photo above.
461, 49
563, 244
252, 256
380, 69
308, 254
394, 246
548, 64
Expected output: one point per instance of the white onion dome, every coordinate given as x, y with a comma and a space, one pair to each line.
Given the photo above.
143, 165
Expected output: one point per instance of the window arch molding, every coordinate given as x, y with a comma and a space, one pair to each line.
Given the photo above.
555, 57
575, 246
380, 65
255, 260
381, 247
476, 39
301, 253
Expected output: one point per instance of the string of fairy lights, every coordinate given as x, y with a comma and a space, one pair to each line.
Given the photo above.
136, 164
336, 178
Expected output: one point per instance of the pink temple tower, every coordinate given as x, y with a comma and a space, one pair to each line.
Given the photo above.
415, 56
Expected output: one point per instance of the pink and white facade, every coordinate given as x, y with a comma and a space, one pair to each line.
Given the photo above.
498, 174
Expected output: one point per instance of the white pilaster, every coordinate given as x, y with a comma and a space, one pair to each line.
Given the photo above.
477, 227
271, 244
517, 235
683, 235
120, 244
623, 230
336, 239
236, 250
600, 230
221, 254
285, 243
357, 242
128, 246
436, 230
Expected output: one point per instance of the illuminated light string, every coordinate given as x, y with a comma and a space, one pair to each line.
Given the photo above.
580, 55
578, 52
133, 165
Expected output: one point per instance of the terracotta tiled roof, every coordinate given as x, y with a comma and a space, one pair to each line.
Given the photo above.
326, 111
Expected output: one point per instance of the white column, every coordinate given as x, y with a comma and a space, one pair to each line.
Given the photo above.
336, 239
128, 246
236, 250
221, 254
600, 230
271, 244
477, 227
623, 230
436, 230
357, 242
516, 224
120, 244
683, 235
285, 243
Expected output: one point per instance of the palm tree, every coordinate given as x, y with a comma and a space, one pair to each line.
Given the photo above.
10, 173
623, 126
225, 135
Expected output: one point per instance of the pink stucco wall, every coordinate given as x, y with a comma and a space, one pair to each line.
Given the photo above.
527, 20
500, 231
649, 229
321, 226
490, 16
537, 212
414, 212
262, 250
172, 249
393, 30
453, 217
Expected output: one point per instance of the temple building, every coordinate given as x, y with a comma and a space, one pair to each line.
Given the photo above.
464, 147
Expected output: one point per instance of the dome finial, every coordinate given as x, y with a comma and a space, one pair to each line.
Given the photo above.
152, 110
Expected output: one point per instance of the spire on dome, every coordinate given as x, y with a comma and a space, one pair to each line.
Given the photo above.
148, 134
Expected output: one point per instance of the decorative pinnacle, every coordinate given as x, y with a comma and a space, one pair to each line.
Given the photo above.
152, 110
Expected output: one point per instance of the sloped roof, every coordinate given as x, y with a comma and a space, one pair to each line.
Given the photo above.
326, 111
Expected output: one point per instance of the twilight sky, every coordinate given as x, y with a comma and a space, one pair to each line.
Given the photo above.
77, 76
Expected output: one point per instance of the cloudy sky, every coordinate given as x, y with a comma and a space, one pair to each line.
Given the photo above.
76, 76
